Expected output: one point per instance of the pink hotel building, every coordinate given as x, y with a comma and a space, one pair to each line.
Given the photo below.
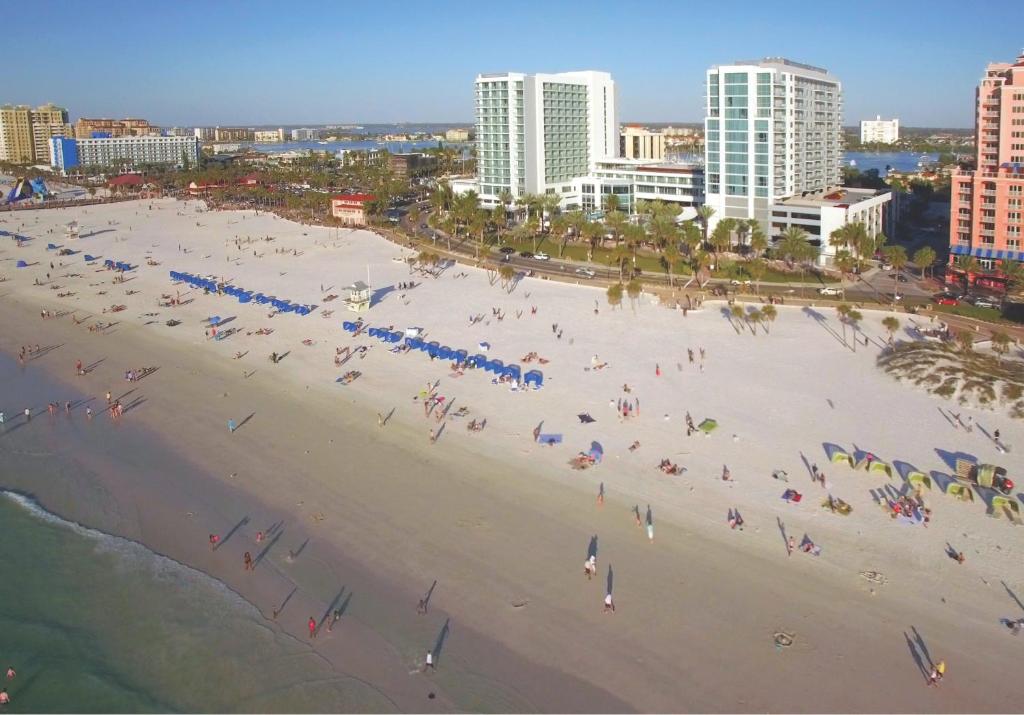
987, 205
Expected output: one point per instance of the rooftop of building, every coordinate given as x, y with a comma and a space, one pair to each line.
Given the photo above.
357, 198
664, 166
837, 196
779, 63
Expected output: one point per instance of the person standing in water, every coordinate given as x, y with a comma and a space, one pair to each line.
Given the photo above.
311, 624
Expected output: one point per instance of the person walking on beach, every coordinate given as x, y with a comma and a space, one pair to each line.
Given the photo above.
248, 561
214, 540
78, 367
311, 624
600, 489
790, 546
938, 673
590, 567
108, 397
335, 617
609, 604
232, 426
28, 414
88, 413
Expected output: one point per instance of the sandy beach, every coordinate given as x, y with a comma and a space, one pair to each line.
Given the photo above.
500, 522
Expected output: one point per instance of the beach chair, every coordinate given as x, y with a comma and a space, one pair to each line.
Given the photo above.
919, 479
876, 467
838, 456
960, 491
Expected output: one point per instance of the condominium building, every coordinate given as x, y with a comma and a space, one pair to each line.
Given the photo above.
987, 205
232, 134
130, 151
879, 131
457, 134
204, 133
538, 133
636, 142
87, 128
25, 133
773, 131
305, 135
407, 166
269, 136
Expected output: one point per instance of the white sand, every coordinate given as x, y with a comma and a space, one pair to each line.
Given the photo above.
775, 397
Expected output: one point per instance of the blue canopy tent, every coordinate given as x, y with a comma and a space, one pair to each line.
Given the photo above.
495, 366
395, 337
213, 319
477, 360
513, 371
244, 298
534, 376
51, 247
444, 352
459, 355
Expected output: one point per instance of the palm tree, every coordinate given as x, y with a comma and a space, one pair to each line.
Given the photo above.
476, 225
690, 236
736, 313
891, 324
499, 215
560, 226
616, 221
576, 221
620, 256
757, 269
1000, 343
843, 310
845, 262
669, 258
965, 340
721, 237
768, 313
593, 232
505, 197
742, 230
897, 256
792, 242
507, 273
924, 257
614, 294
704, 214
699, 262
611, 203
1013, 271
854, 317
758, 240
549, 204
633, 289
755, 317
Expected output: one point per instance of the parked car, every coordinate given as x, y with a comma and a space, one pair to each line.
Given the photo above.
507, 249
900, 278
542, 257
829, 290
946, 299
885, 266
586, 273
984, 301
525, 254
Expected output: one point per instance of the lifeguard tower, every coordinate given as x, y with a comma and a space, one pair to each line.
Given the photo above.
358, 297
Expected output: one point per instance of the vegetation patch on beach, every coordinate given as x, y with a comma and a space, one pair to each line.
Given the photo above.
969, 377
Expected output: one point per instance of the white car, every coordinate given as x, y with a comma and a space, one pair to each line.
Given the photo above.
542, 257
828, 290
586, 272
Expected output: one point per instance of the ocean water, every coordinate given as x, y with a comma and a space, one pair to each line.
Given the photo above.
898, 160
97, 623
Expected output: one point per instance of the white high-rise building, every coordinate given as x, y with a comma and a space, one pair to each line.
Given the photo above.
879, 131
773, 149
538, 133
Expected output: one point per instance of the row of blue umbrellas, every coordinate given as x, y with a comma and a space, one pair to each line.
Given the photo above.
443, 352
117, 265
243, 296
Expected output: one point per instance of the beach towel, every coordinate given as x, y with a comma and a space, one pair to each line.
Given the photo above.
792, 496
549, 439
585, 418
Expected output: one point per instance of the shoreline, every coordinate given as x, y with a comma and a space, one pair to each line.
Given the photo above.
500, 521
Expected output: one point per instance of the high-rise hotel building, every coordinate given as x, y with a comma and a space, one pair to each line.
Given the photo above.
773, 149
537, 133
987, 204
25, 133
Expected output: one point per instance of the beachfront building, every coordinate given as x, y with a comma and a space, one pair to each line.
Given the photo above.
205, 134
636, 142
90, 128
129, 151
540, 133
879, 131
232, 134
457, 134
632, 180
407, 166
987, 206
25, 133
351, 209
773, 132
305, 135
269, 136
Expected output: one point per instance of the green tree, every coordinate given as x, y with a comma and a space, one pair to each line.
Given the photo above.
965, 340
1013, 271
758, 240
737, 318
924, 257
897, 256
1000, 343
768, 313
853, 317
611, 203
690, 236
755, 318
721, 237
616, 221
791, 243
633, 289
704, 214
843, 310
593, 233
506, 273
845, 263
891, 324
614, 294
499, 215
670, 258
757, 268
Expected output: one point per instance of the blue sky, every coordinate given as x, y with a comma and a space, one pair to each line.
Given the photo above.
191, 62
